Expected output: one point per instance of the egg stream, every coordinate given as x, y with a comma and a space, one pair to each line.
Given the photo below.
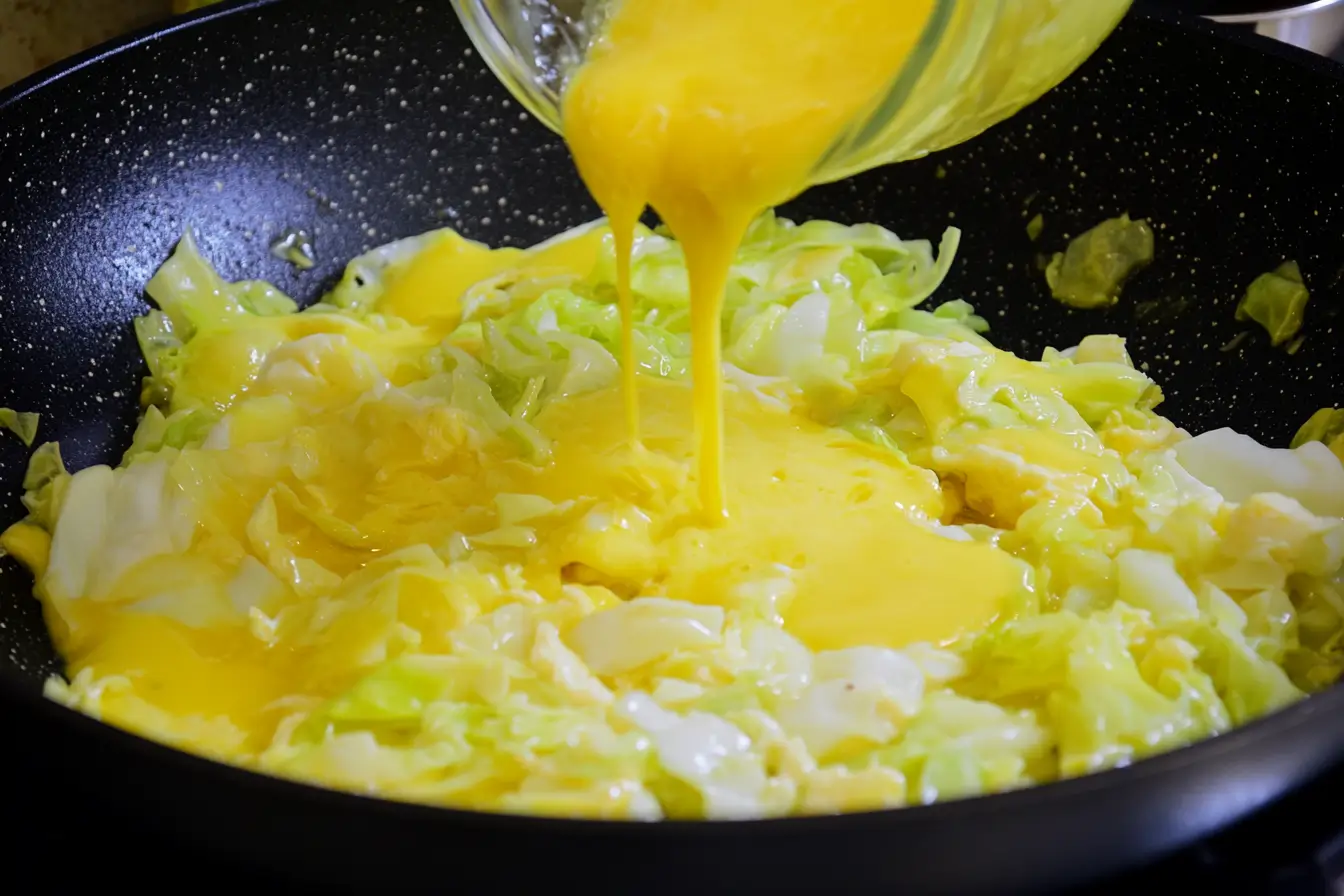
711, 112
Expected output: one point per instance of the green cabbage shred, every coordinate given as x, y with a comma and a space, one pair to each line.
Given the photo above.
1094, 268
23, 424
1277, 301
1180, 587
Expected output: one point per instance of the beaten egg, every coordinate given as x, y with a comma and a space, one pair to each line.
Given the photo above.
402, 542
715, 119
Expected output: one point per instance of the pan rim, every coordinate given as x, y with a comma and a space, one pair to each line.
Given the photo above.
1310, 7
56, 71
1038, 797
1169, 764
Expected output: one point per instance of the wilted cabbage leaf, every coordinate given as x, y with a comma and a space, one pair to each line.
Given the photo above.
1035, 227
1277, 301
1094, 268
1325, 426
338, 548
21, 423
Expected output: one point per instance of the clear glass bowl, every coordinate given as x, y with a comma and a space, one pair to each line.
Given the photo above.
978, 62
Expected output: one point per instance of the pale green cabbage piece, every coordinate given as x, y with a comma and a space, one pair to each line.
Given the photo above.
192, 295
1277, 301
1194, 589
44, 484
1098, 263
1239, 467
22, 423
1325, 426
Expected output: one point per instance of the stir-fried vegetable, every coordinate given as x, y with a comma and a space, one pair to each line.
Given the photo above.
1277, 301
1096, 265
21, 423
334, 550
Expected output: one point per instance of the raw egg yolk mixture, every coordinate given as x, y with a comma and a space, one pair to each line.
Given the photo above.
712, 112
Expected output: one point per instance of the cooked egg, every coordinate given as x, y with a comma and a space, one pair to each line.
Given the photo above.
403, 542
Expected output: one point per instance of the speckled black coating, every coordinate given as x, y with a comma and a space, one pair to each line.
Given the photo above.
362, 121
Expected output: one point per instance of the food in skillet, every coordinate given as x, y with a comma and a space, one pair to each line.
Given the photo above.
1277, 301
1098, 263
401, 542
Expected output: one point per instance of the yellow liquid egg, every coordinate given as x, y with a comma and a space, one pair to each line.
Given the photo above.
846, 525
711, 112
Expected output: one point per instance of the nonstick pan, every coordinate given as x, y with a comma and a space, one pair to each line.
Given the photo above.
365, 120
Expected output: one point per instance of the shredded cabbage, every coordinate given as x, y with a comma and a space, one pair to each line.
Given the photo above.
1178, 586
1277, 301
22, 423
1325, 426
1098, 263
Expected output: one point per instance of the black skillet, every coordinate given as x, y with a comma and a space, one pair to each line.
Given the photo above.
365, 120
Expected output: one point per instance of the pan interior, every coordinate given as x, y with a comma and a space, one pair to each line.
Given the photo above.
360, 125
